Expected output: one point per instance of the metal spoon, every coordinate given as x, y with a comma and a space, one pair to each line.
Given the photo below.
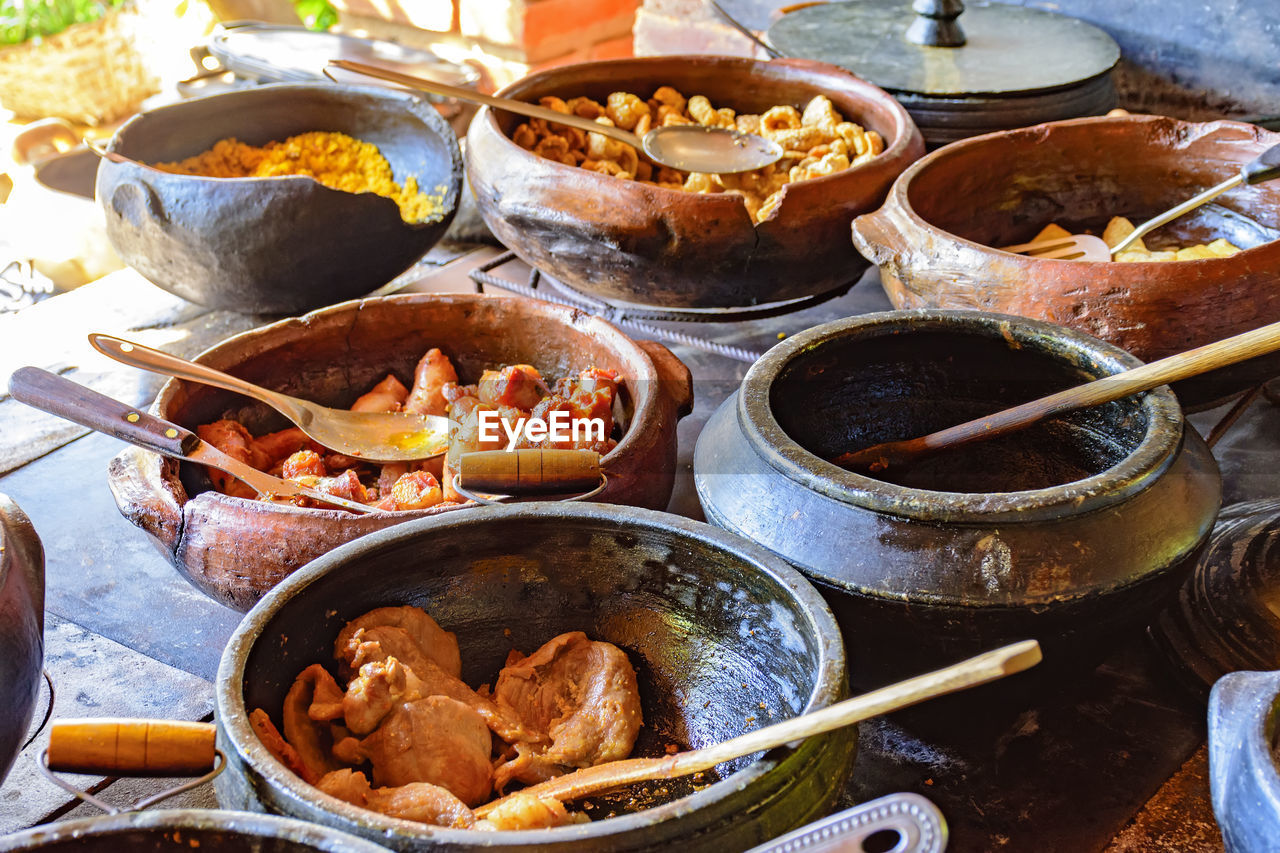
377, 436
689, 148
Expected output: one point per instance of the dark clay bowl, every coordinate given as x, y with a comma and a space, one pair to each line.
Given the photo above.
1244, 759
715, 626
274, 245
236, 549
933, 237
177, 830
1067, 532
21, 627
626, 241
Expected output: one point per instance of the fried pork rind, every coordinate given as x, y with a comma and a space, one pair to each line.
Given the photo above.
1119, 227
817, 142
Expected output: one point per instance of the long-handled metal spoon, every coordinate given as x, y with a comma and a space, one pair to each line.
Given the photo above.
985, 667
376, 436
1221, 353
51, 393
1086, 247
689, 148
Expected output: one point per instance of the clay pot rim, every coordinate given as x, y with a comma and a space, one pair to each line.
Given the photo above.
193, 820
1132, 474
900, 191
233, 717
339, 92
904, 128
646, 401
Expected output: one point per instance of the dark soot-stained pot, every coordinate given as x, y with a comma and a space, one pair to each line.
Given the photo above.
1244, 753
21, 627
715, 626
1067, 532
627, 241
236, 549
933, 237
274, 245
187, 830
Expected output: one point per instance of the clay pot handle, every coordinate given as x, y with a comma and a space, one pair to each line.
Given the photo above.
877, 237
673, 376
143, 496
118, 747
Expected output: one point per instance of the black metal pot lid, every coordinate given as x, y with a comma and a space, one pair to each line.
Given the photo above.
286, 54
1004, 50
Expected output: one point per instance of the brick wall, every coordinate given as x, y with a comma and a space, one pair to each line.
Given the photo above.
508, 37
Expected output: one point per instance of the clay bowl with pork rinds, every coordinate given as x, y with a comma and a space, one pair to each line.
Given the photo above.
235, 549
627, 241
724, 637
933, 238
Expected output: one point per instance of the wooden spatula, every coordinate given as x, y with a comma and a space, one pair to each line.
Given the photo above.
894, 454
985, 667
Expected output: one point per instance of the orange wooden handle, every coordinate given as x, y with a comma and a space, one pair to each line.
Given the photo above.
121, 747
530, 471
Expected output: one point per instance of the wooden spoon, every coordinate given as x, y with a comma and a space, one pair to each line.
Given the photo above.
1229, 351
988, 666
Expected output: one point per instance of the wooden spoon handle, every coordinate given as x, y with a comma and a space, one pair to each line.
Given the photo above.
1117, 386
988, 666
529, 471
121, 747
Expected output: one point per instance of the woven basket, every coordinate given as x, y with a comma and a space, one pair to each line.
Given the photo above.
89, 73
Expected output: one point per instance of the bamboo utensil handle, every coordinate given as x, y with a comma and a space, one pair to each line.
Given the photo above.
121, 747
1171, 369
981, 669
529, 471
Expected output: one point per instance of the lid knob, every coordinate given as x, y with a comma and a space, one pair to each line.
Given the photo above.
935, 24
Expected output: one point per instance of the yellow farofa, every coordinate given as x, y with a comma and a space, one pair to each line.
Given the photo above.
336, 160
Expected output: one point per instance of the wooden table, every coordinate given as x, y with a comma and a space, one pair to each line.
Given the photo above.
1114, 762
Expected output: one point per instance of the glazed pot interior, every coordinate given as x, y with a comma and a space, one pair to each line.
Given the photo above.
722, 641
1001, 189
333, 362
743, 85
411, 145
855, 391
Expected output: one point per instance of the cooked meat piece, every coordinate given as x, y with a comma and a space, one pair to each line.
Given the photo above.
304, 463
517, 385
345, 485
416, 490
313, 699
425, 678
581, 694
433, 372
277, 745
387, 476
418, 801
453, 392
371, 695
275, 446
525, 811
389, 395
432, 640
234, 440
589, 397
434, 739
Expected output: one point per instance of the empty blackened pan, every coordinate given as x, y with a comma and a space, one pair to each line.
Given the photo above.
724, 637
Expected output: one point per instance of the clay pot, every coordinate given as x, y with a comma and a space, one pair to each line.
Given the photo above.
21, 627
1068, 532
184, 830
236, 549
632, 242
1244, 771
724, 636
933, 237
274, 245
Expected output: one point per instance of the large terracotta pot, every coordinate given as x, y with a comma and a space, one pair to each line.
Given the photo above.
633, 242
933, 238
236, 549
1068, 532
724, 636
21, 627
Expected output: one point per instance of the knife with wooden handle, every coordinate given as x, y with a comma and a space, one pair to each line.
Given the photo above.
51, 393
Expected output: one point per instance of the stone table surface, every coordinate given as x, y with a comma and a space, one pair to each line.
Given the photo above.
1101, 764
